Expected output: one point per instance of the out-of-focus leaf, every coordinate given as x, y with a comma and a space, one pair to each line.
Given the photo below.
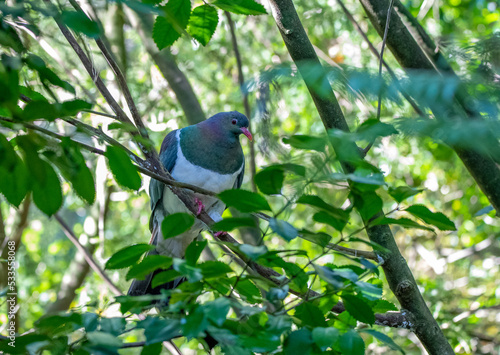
306, 142
202, 23
47, 193
310, 315
71, 108
13, 174
79, 22
325, 337
253, 252
330, 219
283, 229
373, 128
37, 63
122, 168
351, 343
213, 268
127, 256
433, 218
35, 110
299, 342
147, 265
401, 193
228, 224
321, 239
384, 339
194, 250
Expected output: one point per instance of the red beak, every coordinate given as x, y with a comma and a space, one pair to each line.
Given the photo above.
247, 133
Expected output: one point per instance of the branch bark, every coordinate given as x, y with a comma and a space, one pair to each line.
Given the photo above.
396, 269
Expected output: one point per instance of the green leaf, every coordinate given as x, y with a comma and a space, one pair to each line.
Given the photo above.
359, 309
328, 218
169, 28
71, 108
270, 180
325, 337
157, 329
213, 268
384, 339
297, 169
165, 276
306, 142
73, 167
283, 229
37, 63
401, 193
244, 201
192, 273
382, 306
202, 23
241, 7
433, 218
47, 193
370, 291
115, 325
217, 310
351, 343
373, 128
175, 224
79, 22
310, 315
403, 222
35, 110
127, 256
320, 238
248, 290
298, 342
122, 168
149, 264
229, 224
253, 252
194, 250
368, 204
13, 174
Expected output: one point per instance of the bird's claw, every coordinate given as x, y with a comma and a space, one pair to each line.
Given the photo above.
200, 206
218, 234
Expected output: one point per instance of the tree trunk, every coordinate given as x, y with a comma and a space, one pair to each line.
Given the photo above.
396, 269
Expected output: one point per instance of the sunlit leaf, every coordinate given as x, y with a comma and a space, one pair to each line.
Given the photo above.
359, 309
127, 256
122, 168
244, 201
243, 7
202, 23
434, 218
147, 265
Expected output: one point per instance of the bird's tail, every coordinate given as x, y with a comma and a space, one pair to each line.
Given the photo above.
145, 287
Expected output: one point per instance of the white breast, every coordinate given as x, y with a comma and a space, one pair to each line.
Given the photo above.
195, 175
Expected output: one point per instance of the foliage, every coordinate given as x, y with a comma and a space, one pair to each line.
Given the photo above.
432, 204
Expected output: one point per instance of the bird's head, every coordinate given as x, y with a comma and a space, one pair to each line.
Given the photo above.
232, 122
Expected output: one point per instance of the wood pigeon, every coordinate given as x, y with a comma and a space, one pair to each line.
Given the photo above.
207, 155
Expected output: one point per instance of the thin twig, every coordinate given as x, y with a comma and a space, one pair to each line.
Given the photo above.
90, 260
386, 31
375, 52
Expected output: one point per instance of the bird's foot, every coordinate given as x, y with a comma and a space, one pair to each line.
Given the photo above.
219, 234
200, 204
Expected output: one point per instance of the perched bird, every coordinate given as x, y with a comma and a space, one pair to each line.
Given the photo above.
207, 155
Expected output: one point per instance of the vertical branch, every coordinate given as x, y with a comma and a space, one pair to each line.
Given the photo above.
241, 81
397, 272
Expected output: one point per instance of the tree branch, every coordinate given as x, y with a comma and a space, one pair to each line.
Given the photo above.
398, 274
88, 257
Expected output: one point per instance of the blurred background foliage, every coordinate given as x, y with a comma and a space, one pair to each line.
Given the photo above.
457, 271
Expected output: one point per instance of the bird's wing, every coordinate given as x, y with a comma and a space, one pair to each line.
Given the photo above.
239, 179
168, 156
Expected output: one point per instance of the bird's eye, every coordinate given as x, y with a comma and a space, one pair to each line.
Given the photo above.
234, 121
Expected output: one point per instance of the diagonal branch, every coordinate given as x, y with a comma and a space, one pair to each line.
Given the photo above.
88, 257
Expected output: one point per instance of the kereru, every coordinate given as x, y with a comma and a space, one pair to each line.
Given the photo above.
207, 155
